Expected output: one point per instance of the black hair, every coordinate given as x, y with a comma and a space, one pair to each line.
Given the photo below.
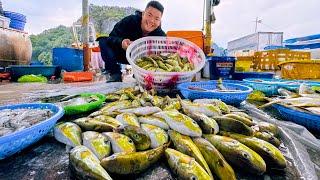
157, 5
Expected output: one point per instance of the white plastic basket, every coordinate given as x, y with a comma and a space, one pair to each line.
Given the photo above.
164, 81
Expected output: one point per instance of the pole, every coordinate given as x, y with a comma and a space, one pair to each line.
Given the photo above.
85, 34
255, 30
207, 42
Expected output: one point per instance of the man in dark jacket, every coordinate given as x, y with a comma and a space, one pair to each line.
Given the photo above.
130, 28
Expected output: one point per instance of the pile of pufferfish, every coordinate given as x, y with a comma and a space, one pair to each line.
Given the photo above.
203, 139
170, 62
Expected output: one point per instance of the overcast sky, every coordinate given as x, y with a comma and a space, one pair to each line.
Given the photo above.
235, 18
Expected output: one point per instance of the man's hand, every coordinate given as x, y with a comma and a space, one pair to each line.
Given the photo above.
125, 43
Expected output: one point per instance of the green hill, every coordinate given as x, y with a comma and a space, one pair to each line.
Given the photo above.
103, 17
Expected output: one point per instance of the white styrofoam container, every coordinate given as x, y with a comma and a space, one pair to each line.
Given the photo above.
4, 22
206, 70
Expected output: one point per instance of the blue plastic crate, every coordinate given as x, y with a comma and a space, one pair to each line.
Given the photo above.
69, 59
17, 141
244, 75
15, 24
15, 16
233, 98
17, 71
221, 67
309, 120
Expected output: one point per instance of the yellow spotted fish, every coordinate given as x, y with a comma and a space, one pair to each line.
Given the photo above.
180, 123
157, 135
120, 142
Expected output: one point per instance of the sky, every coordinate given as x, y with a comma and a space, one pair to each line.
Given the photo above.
235, 18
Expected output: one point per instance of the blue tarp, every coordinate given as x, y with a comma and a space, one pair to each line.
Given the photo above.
303, 46
306, 38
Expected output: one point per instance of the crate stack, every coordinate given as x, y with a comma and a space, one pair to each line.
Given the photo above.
269, 60
17, 20
244, 63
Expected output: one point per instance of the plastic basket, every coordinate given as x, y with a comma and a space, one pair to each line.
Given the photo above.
15, 24
233, 98
269, 60
244, 75
163, 81
84, 108
244, 63
267, 86
310, 121
15, 16
271, 86
77, 76
293, 85
17, 141
308, 69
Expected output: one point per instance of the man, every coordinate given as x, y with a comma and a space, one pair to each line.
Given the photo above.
130, 28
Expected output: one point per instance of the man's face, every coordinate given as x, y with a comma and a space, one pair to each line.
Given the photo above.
151, 19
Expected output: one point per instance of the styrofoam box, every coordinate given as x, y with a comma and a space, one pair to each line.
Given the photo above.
4, 22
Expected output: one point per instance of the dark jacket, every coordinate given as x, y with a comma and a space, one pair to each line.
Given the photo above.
130, 28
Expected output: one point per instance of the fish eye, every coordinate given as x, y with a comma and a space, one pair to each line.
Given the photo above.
130, 141
136, 136
193, 178
194, 122
112, 157
245, 155
266, 149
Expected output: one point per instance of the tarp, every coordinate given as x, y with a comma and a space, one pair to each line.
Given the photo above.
306, 42
305, 38
304, 46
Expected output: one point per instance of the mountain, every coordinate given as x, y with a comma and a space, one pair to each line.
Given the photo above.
43, 43
103, 18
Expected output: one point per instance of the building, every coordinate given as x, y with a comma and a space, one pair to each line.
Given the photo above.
247, 45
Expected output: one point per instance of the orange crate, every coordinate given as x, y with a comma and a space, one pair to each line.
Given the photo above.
196, 37
269, 60
306, 69
77, 76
